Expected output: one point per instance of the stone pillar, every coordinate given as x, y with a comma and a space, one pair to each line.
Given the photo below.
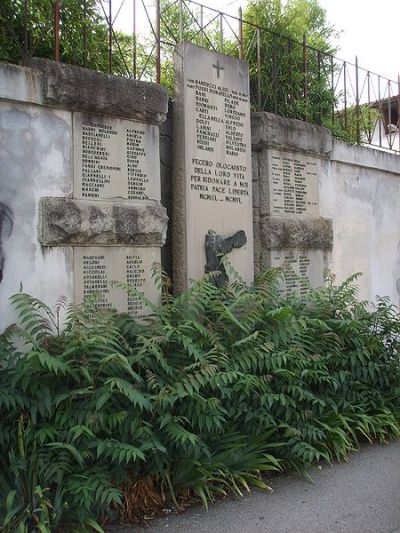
80, 185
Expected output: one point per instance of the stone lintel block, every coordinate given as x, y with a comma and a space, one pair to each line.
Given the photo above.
272, 131
80, 89
279, 233
70, 222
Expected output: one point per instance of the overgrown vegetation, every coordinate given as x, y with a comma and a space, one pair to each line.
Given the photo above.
110, 419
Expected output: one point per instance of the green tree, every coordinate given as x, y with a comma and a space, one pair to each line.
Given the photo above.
28, 30
291, 80
182, 22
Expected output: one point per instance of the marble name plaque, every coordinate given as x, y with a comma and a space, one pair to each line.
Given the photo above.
302, 269
114, 158
212, 160
293, 184
96, 269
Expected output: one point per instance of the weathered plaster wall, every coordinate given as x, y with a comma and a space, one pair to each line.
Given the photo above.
35, 160
361, 193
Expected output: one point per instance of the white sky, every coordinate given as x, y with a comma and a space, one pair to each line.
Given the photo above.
370, 30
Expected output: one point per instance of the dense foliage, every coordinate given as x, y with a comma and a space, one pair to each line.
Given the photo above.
110, 419
28, 31
295, 80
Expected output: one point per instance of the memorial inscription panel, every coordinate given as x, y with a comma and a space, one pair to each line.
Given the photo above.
96, 269
293, 184
302, 269
114, 158
213, 162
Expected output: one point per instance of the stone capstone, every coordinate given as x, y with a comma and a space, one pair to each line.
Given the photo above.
70, 222
279, 233
272, 131
81, 89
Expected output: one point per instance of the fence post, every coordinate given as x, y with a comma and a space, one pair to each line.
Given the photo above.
370, 130
56, 7
26, 33
305, 69
221, 34
180, 21
275, 81
240, 33
333, 91
358, 133
158, 37
345, 95
398, 110
201, 25
134, 45
380, 110
258, 70
389, 115
319, 59
85, 50
110, 36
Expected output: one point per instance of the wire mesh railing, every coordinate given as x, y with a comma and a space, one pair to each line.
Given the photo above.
135, 38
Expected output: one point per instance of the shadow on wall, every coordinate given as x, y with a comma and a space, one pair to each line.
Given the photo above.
6, 226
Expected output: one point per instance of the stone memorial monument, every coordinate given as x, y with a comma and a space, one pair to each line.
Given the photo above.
290, 158
212, 188
80, 186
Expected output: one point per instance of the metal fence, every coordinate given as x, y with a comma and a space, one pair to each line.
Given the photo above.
136, 39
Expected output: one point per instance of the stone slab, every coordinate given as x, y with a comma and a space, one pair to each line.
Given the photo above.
81, 89
296, 232
302, 268
114, 158
212, 160
292, 184
66, 222
272, 131
96, 269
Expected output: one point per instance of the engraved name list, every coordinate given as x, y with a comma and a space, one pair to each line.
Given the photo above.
218, 173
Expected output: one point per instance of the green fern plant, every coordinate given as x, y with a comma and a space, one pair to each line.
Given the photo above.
216, 388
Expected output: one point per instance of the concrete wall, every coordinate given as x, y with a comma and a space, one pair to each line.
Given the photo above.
359, 194
35, 161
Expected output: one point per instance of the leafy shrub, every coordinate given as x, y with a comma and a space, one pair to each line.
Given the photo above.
109, 418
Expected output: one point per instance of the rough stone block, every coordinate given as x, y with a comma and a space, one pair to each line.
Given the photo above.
269, 130
70, 222
279, 233
81, 89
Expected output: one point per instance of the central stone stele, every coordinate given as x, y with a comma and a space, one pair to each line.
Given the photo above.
212, 161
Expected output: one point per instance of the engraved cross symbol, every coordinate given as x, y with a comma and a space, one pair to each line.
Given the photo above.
218, 67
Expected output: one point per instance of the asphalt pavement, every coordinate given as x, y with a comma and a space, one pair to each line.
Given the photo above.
361, 495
